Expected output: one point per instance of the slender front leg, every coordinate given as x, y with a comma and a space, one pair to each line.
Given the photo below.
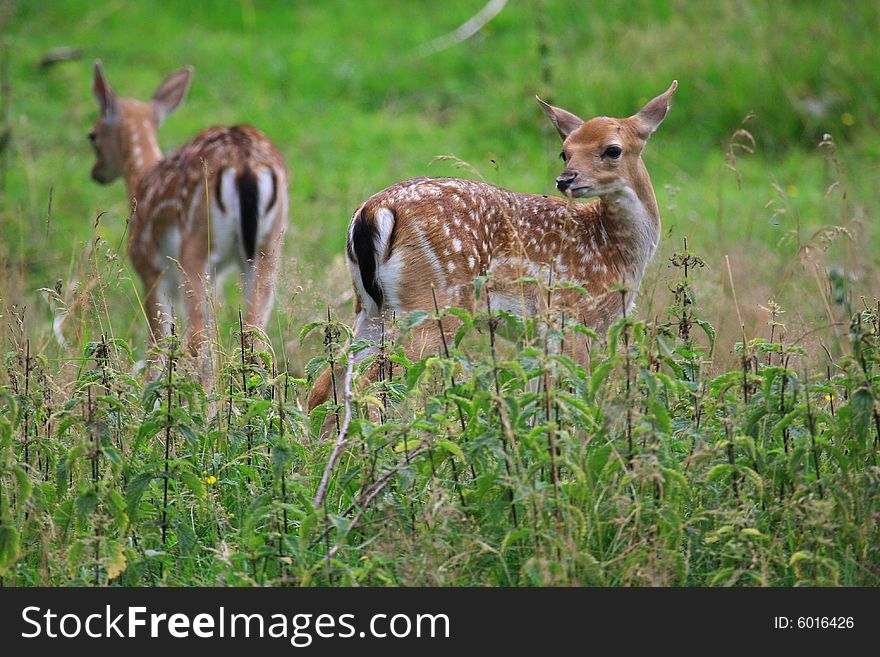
157, 308
194, 286
261, 276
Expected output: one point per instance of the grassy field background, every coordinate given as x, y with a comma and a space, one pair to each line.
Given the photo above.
769, 157
343, 90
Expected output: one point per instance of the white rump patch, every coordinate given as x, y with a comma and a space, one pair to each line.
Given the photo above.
267, 189
226, 245
388, 273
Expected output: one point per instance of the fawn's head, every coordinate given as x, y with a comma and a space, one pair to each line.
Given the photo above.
126, 127
603, 155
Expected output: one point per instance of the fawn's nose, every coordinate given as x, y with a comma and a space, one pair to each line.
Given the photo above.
564, 180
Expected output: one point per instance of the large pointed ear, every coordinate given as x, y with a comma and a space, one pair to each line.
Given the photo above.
565, 122
653, 113
103, 92
171, 93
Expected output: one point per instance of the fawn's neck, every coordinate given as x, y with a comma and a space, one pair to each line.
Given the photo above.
139, 149
632, 215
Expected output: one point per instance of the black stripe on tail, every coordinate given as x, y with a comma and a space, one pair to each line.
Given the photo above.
249, 204
363, 245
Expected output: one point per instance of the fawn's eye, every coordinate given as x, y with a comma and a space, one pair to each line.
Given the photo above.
562, 156
613, 152
92, 136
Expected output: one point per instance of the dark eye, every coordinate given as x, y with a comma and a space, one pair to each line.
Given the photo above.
562, 156
92, 136
613, 152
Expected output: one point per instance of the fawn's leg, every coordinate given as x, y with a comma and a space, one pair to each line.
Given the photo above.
332, 379
194, 286
331, 383
158, 310
261, 273
261, 276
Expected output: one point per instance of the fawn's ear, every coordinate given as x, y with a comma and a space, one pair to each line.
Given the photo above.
653, 113
171, 93
103, 92
565, 122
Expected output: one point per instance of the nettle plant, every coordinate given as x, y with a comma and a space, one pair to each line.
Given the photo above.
507, 462
711, 475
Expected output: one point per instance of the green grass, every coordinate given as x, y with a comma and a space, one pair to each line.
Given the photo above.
354, 109
482, 466
694, 476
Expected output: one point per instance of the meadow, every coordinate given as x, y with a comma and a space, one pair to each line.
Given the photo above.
725, 434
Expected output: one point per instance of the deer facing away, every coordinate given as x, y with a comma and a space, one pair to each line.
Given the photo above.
216, 204
426, 237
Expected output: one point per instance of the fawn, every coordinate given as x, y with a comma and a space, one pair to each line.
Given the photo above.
430, 237
217, 203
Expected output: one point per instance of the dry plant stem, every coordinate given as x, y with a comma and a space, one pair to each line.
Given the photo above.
49, 209
742, 326
457, 407
811, 425
373, 492
328, 343
498, 395
735, 302
243, 363
341, 438
27, 382
281, 436
382, 362
628, 366
4, 98
208, 287
167, 444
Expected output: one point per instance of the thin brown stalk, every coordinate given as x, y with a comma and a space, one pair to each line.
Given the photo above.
341, 438
371, 494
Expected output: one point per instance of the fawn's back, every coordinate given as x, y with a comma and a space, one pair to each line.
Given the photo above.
420, 243
233, 177
217, 203
438, 234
